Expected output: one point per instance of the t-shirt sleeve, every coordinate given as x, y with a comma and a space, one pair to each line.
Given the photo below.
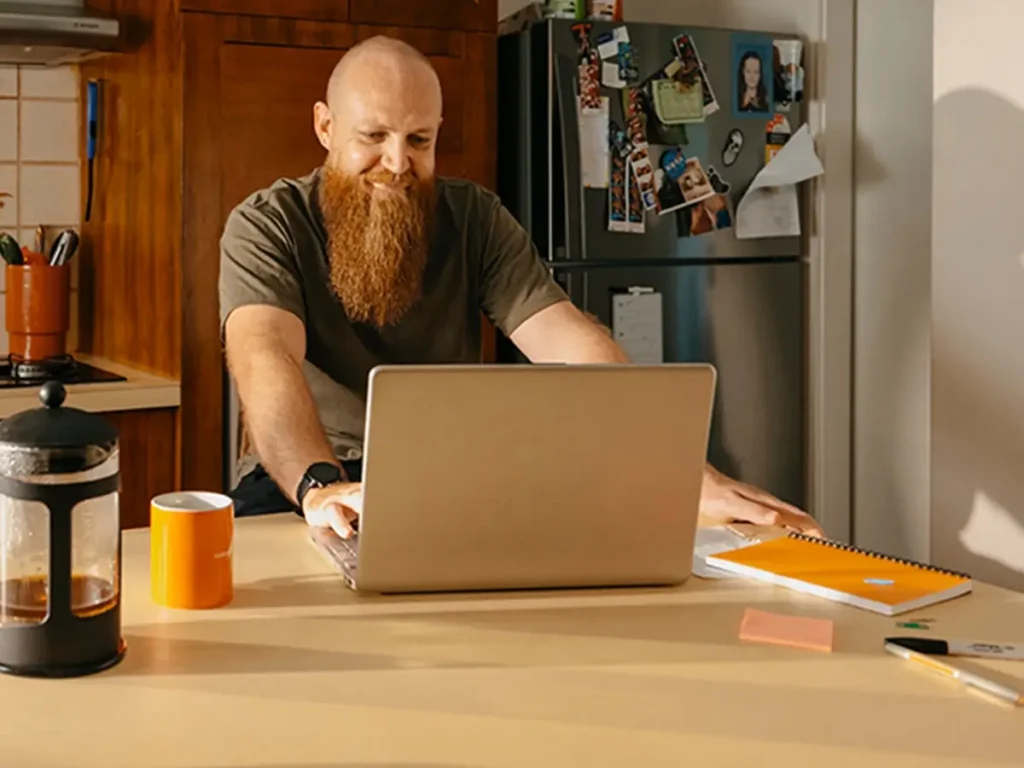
515, 282
257, 264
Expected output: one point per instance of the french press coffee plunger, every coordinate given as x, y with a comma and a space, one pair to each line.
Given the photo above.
60, 541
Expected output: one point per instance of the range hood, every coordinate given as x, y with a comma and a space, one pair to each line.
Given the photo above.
54, 32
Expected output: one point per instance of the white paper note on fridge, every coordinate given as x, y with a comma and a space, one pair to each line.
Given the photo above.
636, 324
770, 207
594, 149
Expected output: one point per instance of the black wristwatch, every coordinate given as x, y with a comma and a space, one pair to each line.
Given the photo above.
318, 475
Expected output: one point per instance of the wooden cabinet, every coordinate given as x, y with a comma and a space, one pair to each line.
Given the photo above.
478, 15
322, 10
215, 102
467, 15
147, 450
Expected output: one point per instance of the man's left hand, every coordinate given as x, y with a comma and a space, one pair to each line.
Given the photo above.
725, 500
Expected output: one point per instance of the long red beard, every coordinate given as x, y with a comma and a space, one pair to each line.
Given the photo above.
378, 241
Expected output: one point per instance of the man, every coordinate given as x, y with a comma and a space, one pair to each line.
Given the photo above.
373, 259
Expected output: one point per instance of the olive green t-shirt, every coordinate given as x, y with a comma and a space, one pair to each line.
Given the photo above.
274, 251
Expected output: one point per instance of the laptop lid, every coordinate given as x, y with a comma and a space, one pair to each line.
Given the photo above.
532, 476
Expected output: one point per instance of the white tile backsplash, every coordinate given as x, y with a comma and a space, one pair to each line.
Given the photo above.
49, 82
49, 131
42, 168
9, 184
8, 129
50, 194
8, 81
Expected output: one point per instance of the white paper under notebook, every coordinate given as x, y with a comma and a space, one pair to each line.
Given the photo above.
770, 207
713, 540
636, 324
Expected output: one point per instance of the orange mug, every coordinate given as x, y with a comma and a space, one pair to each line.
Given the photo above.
190, 549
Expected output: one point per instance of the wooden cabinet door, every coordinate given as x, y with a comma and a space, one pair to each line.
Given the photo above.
146, 445
250, 84
322, 10
477, 15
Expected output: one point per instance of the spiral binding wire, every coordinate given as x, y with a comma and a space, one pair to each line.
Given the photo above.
879, 555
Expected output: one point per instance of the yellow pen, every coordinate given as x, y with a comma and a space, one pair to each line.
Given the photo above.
990, 687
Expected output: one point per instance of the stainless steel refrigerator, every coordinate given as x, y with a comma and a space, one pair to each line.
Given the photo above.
738, 304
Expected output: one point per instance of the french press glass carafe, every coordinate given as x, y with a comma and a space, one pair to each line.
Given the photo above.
60, 541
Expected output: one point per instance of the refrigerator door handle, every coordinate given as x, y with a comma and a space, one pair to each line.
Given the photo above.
571, 194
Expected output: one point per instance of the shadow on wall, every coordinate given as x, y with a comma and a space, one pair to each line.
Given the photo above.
978, 337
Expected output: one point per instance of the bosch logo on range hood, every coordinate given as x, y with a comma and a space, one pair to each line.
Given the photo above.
54, 32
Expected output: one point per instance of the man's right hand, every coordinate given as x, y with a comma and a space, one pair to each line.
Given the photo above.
335, 506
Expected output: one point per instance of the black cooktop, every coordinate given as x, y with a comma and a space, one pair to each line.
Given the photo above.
66, 370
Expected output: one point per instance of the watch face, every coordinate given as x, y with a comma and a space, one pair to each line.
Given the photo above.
324, 473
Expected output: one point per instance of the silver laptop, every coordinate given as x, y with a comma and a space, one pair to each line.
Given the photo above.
487, 477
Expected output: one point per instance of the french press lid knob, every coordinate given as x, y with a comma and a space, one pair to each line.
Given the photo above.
53, 394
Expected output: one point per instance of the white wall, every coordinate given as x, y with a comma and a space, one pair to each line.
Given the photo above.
939, 285
978, 291
892, 277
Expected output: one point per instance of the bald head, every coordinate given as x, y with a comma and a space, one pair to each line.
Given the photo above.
381, 58
382, 110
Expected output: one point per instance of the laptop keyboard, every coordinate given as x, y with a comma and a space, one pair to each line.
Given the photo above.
342, 552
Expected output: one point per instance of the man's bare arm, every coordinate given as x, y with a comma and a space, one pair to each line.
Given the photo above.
561, 333
265, 348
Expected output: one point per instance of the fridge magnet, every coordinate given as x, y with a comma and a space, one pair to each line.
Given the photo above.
594, 142
635, 206
678, 96
608, 43
709, 215
752, 92
680, 181
777, 133
694, 182
720, 185
618, 193
636, 132
610, 75
625, 208
789, 73
619, 140
627, 65
733, 146
637, 322
588, 70
687, 54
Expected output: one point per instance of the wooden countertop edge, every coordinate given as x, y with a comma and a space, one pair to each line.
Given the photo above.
140, 391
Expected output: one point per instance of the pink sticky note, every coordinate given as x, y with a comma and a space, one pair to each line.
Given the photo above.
793, 631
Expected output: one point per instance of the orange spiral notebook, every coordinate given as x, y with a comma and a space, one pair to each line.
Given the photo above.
844, 573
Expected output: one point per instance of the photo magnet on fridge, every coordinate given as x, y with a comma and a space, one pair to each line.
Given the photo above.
709, 215
752, 59
680, 181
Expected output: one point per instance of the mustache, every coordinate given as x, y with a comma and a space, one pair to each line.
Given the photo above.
386, 178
